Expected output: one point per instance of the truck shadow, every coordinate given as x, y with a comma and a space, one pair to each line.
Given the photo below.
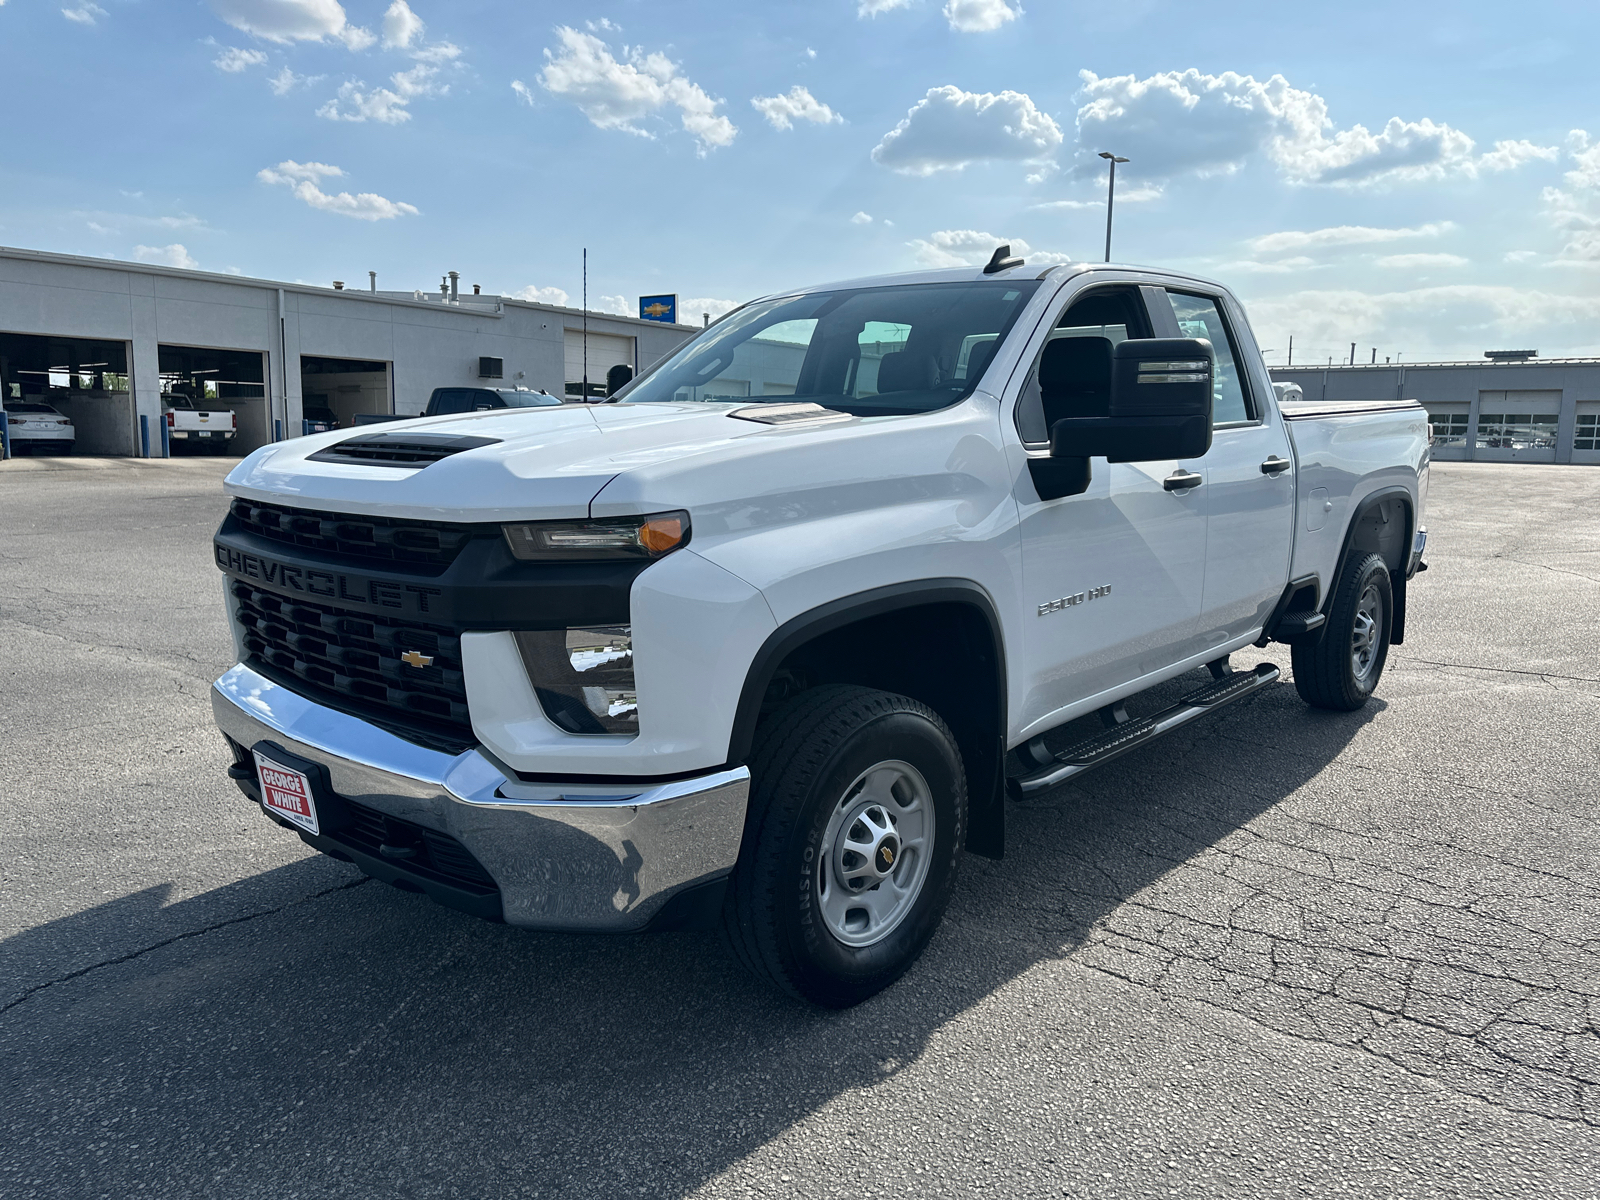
367, 1043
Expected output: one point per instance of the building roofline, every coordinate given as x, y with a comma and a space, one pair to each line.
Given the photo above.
1486, 363
308, 289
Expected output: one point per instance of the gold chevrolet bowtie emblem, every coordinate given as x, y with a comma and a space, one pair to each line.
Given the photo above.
414, 659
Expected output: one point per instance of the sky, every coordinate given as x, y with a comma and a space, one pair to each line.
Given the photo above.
1421, 179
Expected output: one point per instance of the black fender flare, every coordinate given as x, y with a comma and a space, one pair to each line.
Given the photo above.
986, 828
1397, 577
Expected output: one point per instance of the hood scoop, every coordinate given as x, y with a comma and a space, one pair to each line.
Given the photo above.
408, 450
789, 414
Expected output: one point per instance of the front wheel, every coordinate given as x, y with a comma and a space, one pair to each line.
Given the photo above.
1340, 669
857, 813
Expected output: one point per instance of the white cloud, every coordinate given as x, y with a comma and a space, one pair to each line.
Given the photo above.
1343, 235
523, 91
948, 129
871, 8
1283, 266
167, 256
691, 311
542, 295
302, 180
439, 52
861, 218
85, 14
1134, 195
617, 94
1507, 156
979, 16
285, 81
233, 60
1178, 122
1521, 256
1421, 262
383, 104
973, 248
1575, 212
401, 26
613, 304
286, 21
798, 105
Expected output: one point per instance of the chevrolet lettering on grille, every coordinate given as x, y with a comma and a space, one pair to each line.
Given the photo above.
326, 584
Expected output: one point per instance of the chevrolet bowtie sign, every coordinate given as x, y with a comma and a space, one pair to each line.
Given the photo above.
659, 308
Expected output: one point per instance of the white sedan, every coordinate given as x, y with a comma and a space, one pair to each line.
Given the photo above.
39, 428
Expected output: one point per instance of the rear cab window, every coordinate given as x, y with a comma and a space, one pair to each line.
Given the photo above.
1201, 317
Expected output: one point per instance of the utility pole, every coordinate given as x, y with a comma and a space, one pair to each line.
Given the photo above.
1291, 349
585, 325
1111, 195
1352, 354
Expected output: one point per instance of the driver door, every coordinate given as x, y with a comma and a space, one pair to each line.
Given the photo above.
1112, 578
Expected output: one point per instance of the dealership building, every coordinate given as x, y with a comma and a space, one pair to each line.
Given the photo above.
1510, 406
111, 345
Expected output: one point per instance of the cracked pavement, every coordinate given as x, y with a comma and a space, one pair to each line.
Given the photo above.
1280, 953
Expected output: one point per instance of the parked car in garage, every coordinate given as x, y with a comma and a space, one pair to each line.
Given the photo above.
38, 428
318, 419
207, 431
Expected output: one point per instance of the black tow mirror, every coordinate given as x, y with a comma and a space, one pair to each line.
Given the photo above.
1159, 405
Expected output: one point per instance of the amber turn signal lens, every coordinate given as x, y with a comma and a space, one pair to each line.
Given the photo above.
660, 534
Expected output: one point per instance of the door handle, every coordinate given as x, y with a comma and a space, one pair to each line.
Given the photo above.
1275, 465
1181, 480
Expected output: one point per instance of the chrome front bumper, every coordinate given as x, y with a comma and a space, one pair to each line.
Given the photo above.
590, 858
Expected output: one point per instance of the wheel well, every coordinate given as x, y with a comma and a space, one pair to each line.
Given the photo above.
944, 652
1382, 527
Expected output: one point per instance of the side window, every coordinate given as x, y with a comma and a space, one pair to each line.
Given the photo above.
1073, 375
1198, 318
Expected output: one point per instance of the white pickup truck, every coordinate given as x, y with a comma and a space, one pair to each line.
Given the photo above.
203, 430
764, 641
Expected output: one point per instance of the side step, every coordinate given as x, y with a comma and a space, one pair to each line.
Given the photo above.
1294, 625
1093, 751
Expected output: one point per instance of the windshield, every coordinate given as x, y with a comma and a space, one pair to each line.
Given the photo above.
870, 352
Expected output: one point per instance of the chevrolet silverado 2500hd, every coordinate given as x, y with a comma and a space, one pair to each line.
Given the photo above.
765, 639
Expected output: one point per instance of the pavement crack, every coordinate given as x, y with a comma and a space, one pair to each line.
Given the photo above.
1406, 658
179, 937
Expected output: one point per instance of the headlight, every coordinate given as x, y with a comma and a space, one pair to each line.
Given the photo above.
584, 677
609, 538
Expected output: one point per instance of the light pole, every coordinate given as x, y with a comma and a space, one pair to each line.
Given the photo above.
1111, 195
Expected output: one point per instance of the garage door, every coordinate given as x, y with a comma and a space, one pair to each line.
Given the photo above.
606, 350
1517, 426
1449, 425
1586, 436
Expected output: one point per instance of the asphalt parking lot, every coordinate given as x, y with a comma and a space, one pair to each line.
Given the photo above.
1284, 953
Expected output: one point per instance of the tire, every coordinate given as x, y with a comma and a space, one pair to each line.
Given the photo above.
1340, 670
839, 767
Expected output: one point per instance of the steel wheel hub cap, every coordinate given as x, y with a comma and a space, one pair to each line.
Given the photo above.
1368, 630
875, 853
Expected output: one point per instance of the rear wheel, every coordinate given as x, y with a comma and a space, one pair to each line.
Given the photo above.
1340, 669
857, 813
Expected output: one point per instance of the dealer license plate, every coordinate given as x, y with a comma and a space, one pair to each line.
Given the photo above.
287, 793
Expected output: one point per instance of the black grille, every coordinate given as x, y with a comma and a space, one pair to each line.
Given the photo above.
399, 449
355, 663
414, 848
431, 544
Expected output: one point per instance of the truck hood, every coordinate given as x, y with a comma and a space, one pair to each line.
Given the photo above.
545, 463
